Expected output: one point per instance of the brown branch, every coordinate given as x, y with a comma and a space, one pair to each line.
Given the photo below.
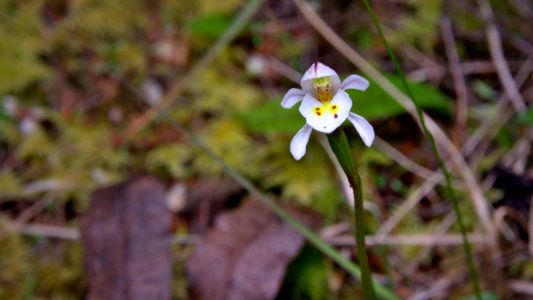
457, 77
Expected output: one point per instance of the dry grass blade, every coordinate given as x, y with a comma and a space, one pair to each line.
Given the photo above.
50, 231
408, 239
496, 51
27, 215
403, 160
457, 76
409, 204
522, 287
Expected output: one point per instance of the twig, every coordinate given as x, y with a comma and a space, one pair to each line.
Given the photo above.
457, 76
408, 239
467, 68
492, 124
530, 228
403, 160
441, 229
516, 158
409, 204
434, 292
419, 58
504, 211
496, 52
73, 234
28, 214
285, 70
57, 232
522, 44
521, 286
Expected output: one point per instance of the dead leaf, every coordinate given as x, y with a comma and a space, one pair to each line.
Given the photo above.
246, 254
126, 239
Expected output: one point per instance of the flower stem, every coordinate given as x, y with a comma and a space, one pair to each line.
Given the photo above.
341, 148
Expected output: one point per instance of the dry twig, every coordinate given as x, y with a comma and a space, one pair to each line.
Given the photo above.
496, 52
457, 76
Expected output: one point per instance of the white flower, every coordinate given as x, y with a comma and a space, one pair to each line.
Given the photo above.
325, 105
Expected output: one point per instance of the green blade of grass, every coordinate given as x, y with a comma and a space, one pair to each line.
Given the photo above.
442, 166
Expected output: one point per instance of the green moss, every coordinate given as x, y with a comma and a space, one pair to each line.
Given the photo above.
13, 265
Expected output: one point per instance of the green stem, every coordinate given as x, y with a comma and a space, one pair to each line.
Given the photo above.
442, 166
341, 148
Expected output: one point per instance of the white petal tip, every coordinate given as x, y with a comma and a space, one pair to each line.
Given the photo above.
298, 157
292, 97
285, 105
355, 82
299, 142
368, 142
365, 130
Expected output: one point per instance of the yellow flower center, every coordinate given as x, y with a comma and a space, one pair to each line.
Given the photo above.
326, 108
322, 86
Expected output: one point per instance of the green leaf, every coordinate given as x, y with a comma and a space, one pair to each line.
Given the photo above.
270, 117
375, 103
211, 26
484, 296
306, 277
484, 90
526, 117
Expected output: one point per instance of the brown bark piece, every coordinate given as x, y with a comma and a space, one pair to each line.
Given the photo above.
245, 255
126, 239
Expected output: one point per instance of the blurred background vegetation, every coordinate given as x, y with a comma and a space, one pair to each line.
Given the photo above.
74, 76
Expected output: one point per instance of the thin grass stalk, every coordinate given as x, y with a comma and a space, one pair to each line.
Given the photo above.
442, 166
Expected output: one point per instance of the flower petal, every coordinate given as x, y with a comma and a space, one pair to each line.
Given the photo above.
318, 70
292, 97
355, 82
299, 142
364, 128
309, 103
329, 116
